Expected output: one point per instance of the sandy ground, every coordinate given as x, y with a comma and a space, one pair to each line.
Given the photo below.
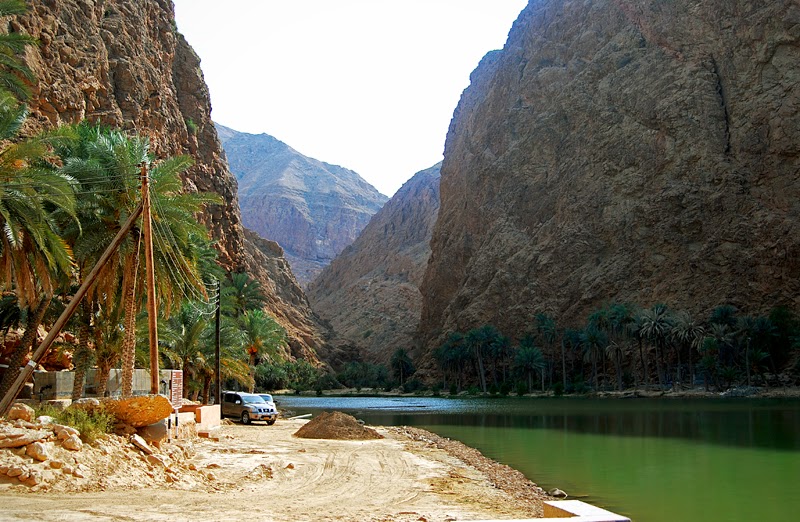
262, 472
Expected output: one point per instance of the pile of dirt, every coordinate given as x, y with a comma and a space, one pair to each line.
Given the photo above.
336, 425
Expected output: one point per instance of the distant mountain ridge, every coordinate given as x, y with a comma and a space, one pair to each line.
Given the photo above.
370, 294
311, 208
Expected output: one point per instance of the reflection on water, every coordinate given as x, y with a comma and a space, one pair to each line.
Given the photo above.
773, 424
652, 460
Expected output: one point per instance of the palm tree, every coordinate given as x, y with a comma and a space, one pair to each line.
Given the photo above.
686, 333
453, 356
13, 73
402, 365
182, 337
529, 359
263, 337
240, 294
594, 341
548, 332
108, 164
656, 327
478, 340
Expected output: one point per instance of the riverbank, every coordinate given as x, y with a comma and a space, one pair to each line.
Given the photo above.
264, 473
786, 392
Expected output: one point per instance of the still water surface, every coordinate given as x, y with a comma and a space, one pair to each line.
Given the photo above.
650, 459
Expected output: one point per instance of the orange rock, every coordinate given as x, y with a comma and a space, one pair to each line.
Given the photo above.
140, 411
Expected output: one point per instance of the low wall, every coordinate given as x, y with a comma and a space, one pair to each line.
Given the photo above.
58, 385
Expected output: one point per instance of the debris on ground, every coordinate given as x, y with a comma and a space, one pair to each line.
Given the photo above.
338, 426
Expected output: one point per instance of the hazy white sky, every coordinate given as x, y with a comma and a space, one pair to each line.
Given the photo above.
370, 85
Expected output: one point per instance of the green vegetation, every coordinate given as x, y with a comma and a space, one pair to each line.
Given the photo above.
622, 346
63, 196
92, 423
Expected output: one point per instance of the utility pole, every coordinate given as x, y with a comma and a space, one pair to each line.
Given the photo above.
218, 374
41, 351
152, 322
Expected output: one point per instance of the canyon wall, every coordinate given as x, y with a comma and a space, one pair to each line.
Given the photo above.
370, 293
621, 150
124, 64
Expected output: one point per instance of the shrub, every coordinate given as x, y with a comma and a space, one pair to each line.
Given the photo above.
453, 389
558, 389
521, 389
191, 126
92, 423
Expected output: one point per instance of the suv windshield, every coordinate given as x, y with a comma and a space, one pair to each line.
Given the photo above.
251, 398
267, 397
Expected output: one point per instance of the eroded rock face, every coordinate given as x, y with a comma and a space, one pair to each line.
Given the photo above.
621, 150
124, 64
312, 209
370, 293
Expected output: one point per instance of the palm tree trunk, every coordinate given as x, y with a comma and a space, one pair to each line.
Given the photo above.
480, 369
35, 317
129, 341
563, 366
82, 355
252, 372
645, 372
103, 370
659, 367
618, 364
207, 387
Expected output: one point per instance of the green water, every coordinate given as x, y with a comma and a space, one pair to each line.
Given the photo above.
650, 460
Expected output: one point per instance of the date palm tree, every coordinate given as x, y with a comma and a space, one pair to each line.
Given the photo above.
687, 333
529, 359
263, 337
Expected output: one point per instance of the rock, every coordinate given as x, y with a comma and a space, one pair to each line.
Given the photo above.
65, 432
33, 479
312, 209
211, 476
381, 272
81, 471
154, 433
38, 450
15, 471
56, 464
140, 443
4, 467
87, 403
19, 437
618, 151
21, 411
134, 71
555, 492
73, 443
67, 469
140, 411
157, 460
45, 419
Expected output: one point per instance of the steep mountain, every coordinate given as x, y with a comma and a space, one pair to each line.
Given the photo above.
124, 64
312, 209
370, 293
622, 150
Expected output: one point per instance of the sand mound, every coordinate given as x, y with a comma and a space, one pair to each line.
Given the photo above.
336, 425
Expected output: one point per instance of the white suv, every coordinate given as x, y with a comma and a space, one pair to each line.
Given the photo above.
248, 407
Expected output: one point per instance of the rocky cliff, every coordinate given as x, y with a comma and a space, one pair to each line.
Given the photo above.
622, 150
370, 293
312, 209
124, 64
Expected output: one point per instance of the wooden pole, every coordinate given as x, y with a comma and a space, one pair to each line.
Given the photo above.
152, 322
218, 374
41, 351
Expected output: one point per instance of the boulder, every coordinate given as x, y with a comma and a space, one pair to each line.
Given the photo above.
18, 437
65, 432
73, 442
140, 411
154, 433
140, 443
21, 411
38, 450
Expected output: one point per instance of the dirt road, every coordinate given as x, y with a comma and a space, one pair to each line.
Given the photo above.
261, 472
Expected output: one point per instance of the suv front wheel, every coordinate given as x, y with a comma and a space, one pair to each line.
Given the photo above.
245, 418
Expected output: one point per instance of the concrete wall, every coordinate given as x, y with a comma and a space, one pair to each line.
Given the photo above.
58, 385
